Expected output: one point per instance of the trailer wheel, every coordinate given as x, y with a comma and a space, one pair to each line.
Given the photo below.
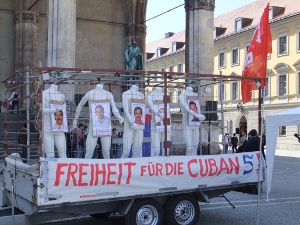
145, 212
182, 210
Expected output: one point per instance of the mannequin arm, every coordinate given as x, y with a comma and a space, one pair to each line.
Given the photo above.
114, 109
126, 108
151, 105
184, 106
79, 108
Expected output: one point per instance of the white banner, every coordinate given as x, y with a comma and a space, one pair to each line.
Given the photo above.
73, 180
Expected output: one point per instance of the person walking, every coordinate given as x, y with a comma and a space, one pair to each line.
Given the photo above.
234, 142
226, 144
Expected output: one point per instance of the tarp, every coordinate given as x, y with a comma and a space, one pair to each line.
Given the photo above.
273, 122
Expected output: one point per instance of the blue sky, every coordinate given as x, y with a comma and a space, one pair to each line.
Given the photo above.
174, 21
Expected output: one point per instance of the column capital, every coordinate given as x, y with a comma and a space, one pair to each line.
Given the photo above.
200, 4
135, 29
25, 16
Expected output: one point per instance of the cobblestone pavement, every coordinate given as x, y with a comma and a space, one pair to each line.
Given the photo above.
283, 206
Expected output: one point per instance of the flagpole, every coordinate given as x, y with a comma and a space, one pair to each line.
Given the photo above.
261, 113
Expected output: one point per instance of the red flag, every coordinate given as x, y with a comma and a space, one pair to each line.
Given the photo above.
255, 64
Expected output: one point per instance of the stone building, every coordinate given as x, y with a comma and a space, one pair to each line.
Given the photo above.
232, 35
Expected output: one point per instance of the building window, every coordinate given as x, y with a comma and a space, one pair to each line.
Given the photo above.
298, 39
238, 24
282, 42
158, 52
282, 85
174, 47
235, 56
298, 83
234, 91
171, 68
266, 88
179, 68
298, 48
222, 59
282, 131
282, 45
222, 93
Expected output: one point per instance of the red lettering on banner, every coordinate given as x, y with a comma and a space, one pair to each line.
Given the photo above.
81, 174
84, 174
189, 167
203, 174
92, 174
223, 166
213, 169
100, 172
110, 172
72, 174
120, 173
169, 169
158, 169
143, 170
129, 164
180, 168
59, 172
235, 165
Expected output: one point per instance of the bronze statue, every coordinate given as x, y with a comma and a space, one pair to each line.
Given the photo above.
133, 57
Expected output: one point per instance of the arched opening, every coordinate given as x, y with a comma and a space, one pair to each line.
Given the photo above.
243, 125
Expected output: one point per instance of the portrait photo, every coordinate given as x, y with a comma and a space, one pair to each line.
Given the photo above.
158, 121
59, 120
138, 114
194, 105
101, 119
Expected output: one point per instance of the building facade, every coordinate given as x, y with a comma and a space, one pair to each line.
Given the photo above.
232, 35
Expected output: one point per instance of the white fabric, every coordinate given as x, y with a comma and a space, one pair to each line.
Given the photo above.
285, 118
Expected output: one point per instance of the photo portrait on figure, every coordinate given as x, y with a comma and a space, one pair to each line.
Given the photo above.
194, 105
138, 114
159, 121
101, 119
59, 119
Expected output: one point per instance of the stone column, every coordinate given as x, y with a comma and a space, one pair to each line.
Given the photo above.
199, 54
199, 36
61, 21
26, 39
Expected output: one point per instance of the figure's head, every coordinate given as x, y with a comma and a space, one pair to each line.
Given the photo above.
138, 112
133, 41
58, 115
99, 110
193, 106
253, 133
80, 125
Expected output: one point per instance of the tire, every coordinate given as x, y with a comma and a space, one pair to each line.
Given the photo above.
100, 215
182, 210
145, 212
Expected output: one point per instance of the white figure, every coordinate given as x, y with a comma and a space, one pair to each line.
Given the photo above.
132, 131
52, 138
190, 133
157, 137
95, 95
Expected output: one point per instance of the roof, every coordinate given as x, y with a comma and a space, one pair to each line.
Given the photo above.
252, 11
166, 43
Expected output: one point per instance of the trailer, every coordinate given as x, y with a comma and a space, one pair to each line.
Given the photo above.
147, 190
